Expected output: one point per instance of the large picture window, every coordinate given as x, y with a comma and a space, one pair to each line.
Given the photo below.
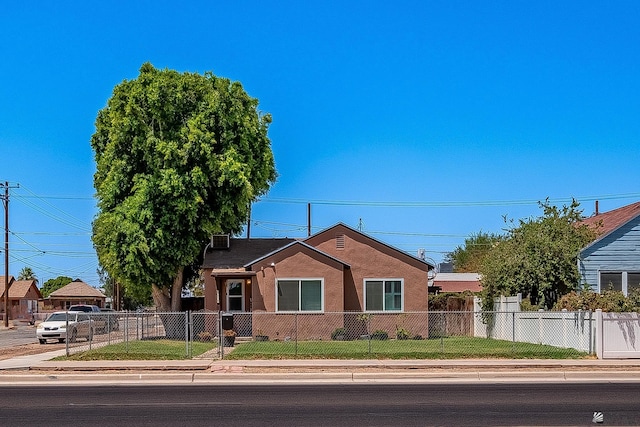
299, 295
383, 295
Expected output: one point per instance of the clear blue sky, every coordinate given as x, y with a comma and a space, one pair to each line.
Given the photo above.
425, 120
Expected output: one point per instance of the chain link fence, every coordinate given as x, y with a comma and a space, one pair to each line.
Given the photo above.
348, 334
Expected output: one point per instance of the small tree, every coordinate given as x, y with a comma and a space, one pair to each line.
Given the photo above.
538, 257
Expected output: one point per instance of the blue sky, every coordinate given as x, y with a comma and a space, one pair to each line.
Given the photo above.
423, 121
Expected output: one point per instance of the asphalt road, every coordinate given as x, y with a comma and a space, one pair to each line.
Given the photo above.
322, 405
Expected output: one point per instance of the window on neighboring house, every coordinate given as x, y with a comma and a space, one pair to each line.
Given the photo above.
610, 281
299, 295
383, 295
633, 282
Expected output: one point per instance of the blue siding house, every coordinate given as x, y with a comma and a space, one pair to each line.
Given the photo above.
612, 261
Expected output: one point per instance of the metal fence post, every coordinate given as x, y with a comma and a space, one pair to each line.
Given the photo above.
220, 335
296, 322
187, 328
66, 328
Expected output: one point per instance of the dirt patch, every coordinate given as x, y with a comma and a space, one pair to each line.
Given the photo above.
28, 349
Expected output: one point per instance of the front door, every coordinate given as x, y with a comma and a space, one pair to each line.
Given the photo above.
235, 295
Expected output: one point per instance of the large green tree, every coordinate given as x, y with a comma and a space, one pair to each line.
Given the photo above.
179, 156
468, 258
538, 257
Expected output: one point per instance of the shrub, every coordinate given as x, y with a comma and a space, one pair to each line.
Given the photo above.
380, 335
338, 334
402, 334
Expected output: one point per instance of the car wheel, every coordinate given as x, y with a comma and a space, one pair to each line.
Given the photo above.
74, 335
60, 340
42, 341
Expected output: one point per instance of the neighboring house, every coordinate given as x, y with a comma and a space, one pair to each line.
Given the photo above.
336, 270
457, 282
23, 298
613, 259
76, 292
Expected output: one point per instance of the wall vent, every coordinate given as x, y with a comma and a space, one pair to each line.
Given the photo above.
339, 241
220, 241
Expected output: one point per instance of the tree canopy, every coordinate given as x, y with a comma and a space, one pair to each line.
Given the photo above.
179, 156
469, 257
27, 274
538, 257
53, 285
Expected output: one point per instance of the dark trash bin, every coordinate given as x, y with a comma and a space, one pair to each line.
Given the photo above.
227, 321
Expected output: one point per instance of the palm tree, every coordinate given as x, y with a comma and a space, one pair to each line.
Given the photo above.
27, 274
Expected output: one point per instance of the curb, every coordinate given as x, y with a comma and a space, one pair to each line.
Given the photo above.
233, 378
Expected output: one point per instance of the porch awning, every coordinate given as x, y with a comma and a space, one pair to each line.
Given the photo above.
231, 272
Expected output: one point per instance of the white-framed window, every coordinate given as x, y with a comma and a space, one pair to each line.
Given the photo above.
300, 294
384, 295
624, 281
610, 281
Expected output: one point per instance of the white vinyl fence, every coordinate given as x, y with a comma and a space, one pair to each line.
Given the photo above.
608, 335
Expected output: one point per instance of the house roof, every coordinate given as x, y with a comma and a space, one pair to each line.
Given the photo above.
249, 264
241, 252
17, 288
244, 252
608, 222
77, 289
401, 252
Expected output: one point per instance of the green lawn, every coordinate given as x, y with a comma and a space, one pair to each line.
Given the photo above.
445, 348
144, 350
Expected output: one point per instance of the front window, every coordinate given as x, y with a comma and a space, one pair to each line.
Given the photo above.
610, 281
299, 295
383, 295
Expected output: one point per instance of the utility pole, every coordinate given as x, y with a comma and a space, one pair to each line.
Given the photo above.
5, 202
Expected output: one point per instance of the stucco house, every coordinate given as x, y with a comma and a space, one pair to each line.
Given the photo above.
76, 292
337, 270
23, 298
613, 259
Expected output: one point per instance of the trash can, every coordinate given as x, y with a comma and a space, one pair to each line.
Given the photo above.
227, 321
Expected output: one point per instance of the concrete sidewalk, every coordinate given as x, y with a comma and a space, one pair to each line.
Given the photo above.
40, 369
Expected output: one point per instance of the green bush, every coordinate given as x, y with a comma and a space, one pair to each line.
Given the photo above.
338, 334
380, 335
402, 334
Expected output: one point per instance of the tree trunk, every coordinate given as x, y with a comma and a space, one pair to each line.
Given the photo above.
161, 298
169, 299
176, 291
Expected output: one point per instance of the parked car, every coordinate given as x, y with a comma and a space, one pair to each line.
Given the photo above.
111, 317
63, 325
100, 322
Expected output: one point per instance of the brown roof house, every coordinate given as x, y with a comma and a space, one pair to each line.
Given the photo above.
76, 292
457, 282
337, 278
23, 298
612, 261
